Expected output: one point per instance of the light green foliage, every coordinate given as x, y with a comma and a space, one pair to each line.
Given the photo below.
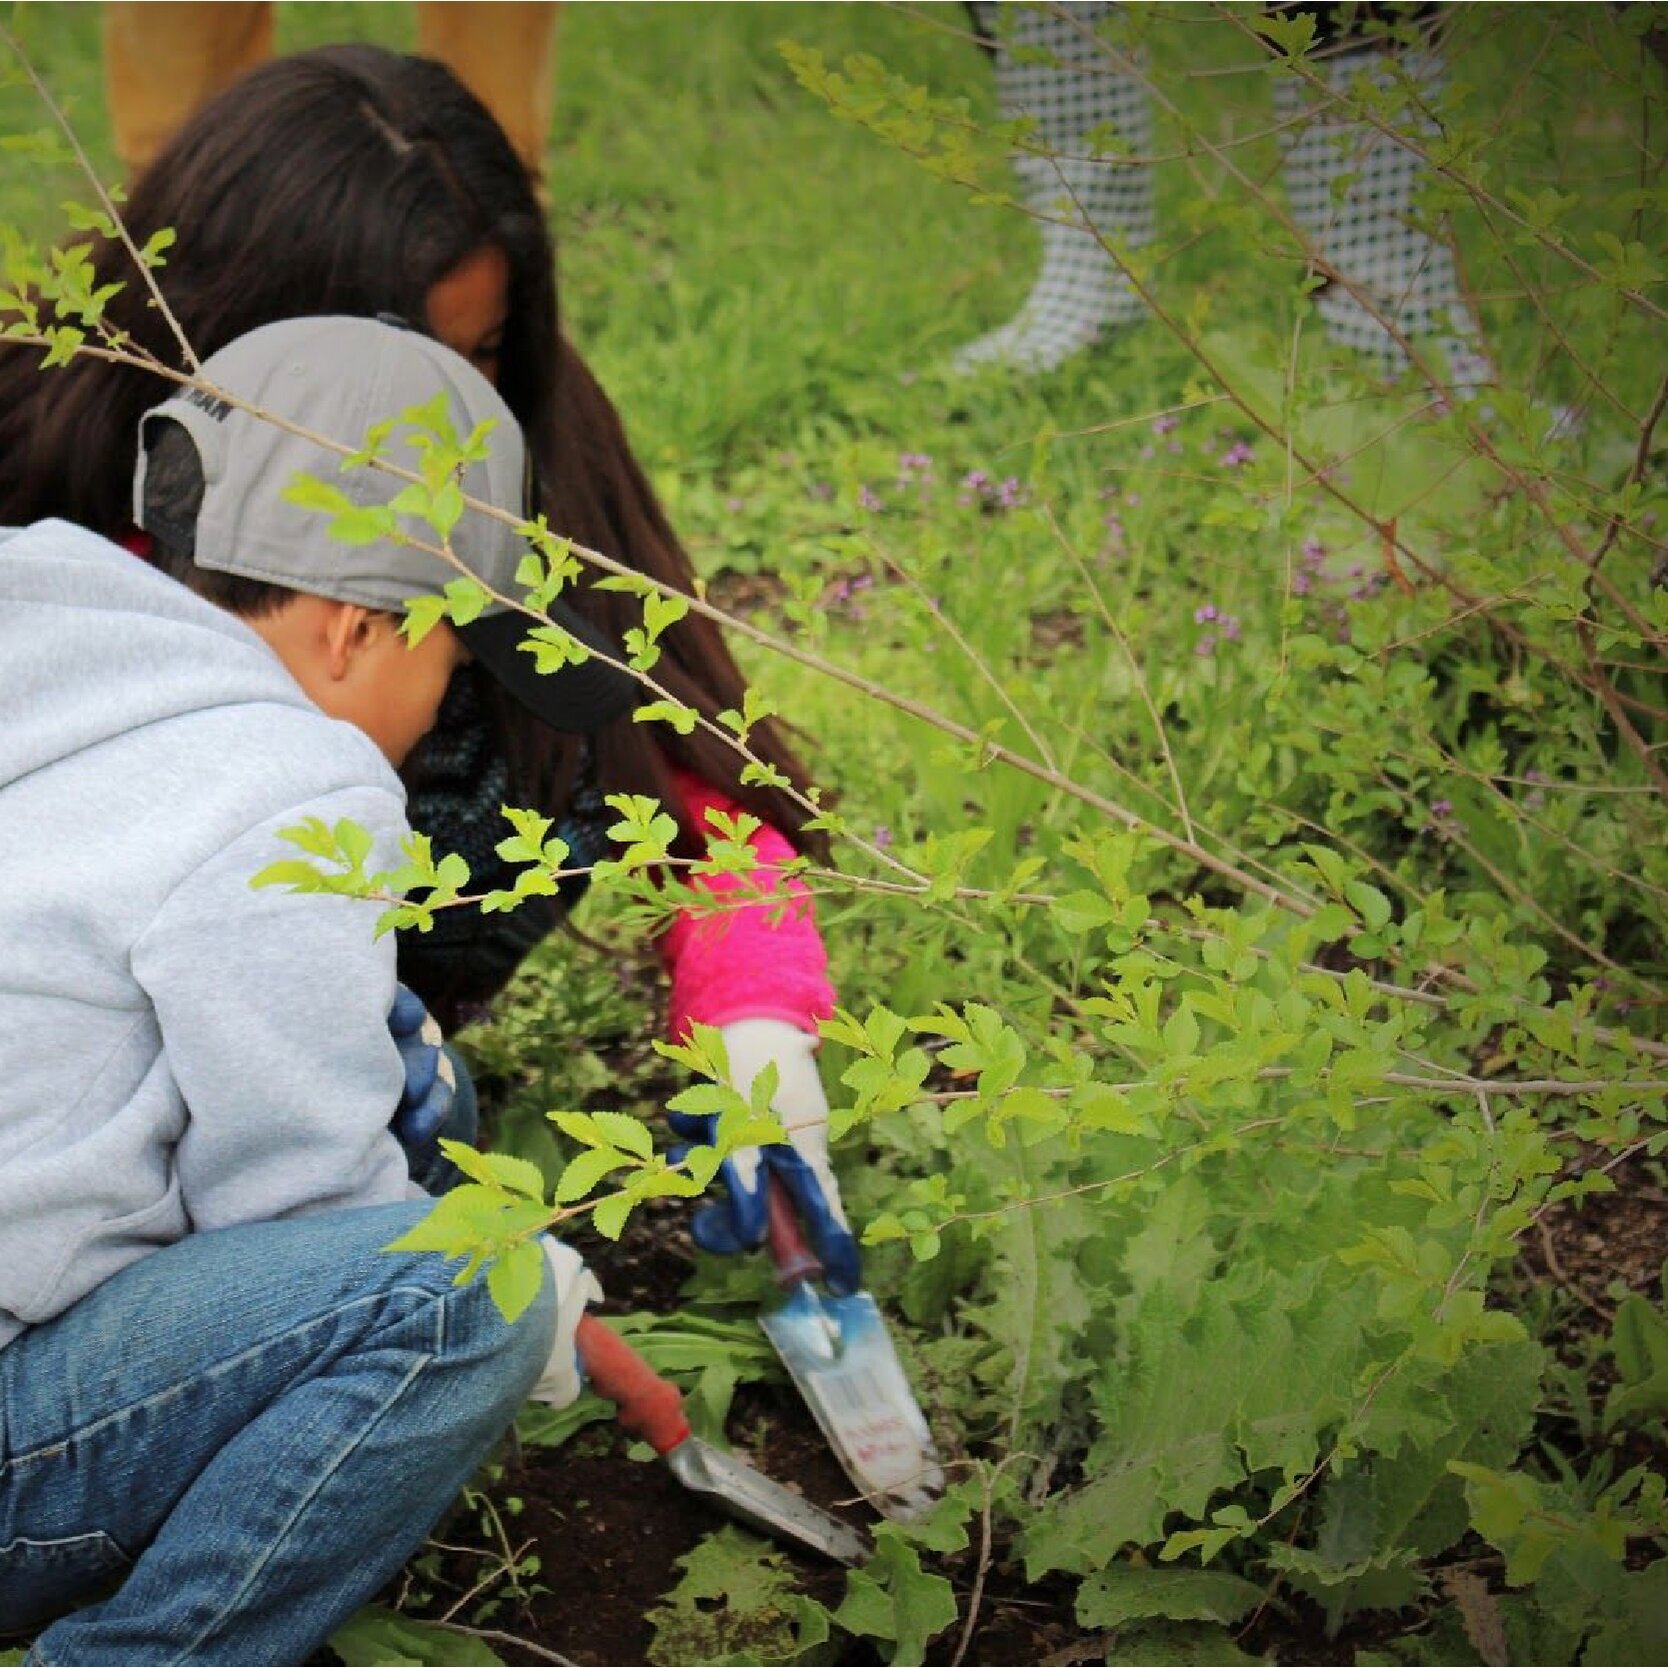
377, 1637
891, 1598
735, 1603
1639, 1342
1127, 1592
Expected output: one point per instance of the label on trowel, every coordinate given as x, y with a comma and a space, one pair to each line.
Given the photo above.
843, 1361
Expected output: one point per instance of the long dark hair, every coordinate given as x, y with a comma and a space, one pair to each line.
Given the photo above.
350, 180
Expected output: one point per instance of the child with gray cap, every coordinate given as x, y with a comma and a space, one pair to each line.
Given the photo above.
223, 1399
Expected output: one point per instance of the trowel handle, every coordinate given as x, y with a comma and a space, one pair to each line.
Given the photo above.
648, 1405
794, 1259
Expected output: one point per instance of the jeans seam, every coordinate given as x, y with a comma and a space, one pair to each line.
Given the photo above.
324, 1477
52, 1449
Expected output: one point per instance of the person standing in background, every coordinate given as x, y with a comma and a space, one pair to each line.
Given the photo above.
163, 60
1351, 188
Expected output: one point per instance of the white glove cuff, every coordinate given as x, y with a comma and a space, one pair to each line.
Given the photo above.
800, 1101
576, 1286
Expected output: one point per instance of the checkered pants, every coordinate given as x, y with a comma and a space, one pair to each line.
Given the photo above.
1366, 234
1080, 290
1352, 190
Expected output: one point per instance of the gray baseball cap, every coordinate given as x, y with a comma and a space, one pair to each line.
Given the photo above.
336, 377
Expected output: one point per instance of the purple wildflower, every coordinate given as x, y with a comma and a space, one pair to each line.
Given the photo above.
822, 491
1148, 452
1205, 646
1230, 626
1008, 494
1204, 613
1237, 454
882, 836
869, 501
1302, 584
1165, 423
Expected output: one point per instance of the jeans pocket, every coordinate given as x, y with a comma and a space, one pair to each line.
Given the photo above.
41, 1579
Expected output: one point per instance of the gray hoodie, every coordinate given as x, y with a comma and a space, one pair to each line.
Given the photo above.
177, 1052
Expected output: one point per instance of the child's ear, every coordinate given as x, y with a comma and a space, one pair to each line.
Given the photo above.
349, 630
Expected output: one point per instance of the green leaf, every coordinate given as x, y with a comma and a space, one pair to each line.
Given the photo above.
377, 1637
1639, 1342
1081, 912
682, 719
737, 1601
1373, 906
1129, 1592
610, 1214
495, 1170
893, 1598
515, 1278
1293, 35
630, 1134
585, 1172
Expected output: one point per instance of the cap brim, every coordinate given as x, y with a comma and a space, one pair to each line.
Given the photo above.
577, 699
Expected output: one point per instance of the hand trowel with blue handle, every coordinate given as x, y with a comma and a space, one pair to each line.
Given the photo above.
841, 1357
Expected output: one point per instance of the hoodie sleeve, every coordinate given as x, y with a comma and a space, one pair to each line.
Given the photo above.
273, 1007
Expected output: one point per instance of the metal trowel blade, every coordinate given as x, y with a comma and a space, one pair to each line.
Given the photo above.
751, 1496
842, 1360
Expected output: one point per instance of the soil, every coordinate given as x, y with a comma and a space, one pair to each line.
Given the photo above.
611, 1529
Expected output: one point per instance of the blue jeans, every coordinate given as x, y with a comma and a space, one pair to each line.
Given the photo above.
249, 1431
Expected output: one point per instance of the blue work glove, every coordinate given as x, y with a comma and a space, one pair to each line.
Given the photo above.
430, 1083
739, 1221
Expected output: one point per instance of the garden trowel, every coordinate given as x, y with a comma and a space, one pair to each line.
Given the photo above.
841, 1357
651, 1407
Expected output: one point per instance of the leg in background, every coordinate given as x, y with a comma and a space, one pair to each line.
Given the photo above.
506, 56
1080, 291
1369, 232
162, 60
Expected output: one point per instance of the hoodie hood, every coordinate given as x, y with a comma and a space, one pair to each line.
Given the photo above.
160, 651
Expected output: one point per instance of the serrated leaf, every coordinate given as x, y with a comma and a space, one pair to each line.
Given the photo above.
893, 1598
611, 1213
1129, 1592
585, 1171
515, 1278
630, 1134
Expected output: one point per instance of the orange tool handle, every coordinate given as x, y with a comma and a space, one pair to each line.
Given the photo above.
794, 1259
647, 1405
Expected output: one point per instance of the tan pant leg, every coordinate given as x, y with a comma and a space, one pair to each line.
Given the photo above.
162, 60
506, 56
